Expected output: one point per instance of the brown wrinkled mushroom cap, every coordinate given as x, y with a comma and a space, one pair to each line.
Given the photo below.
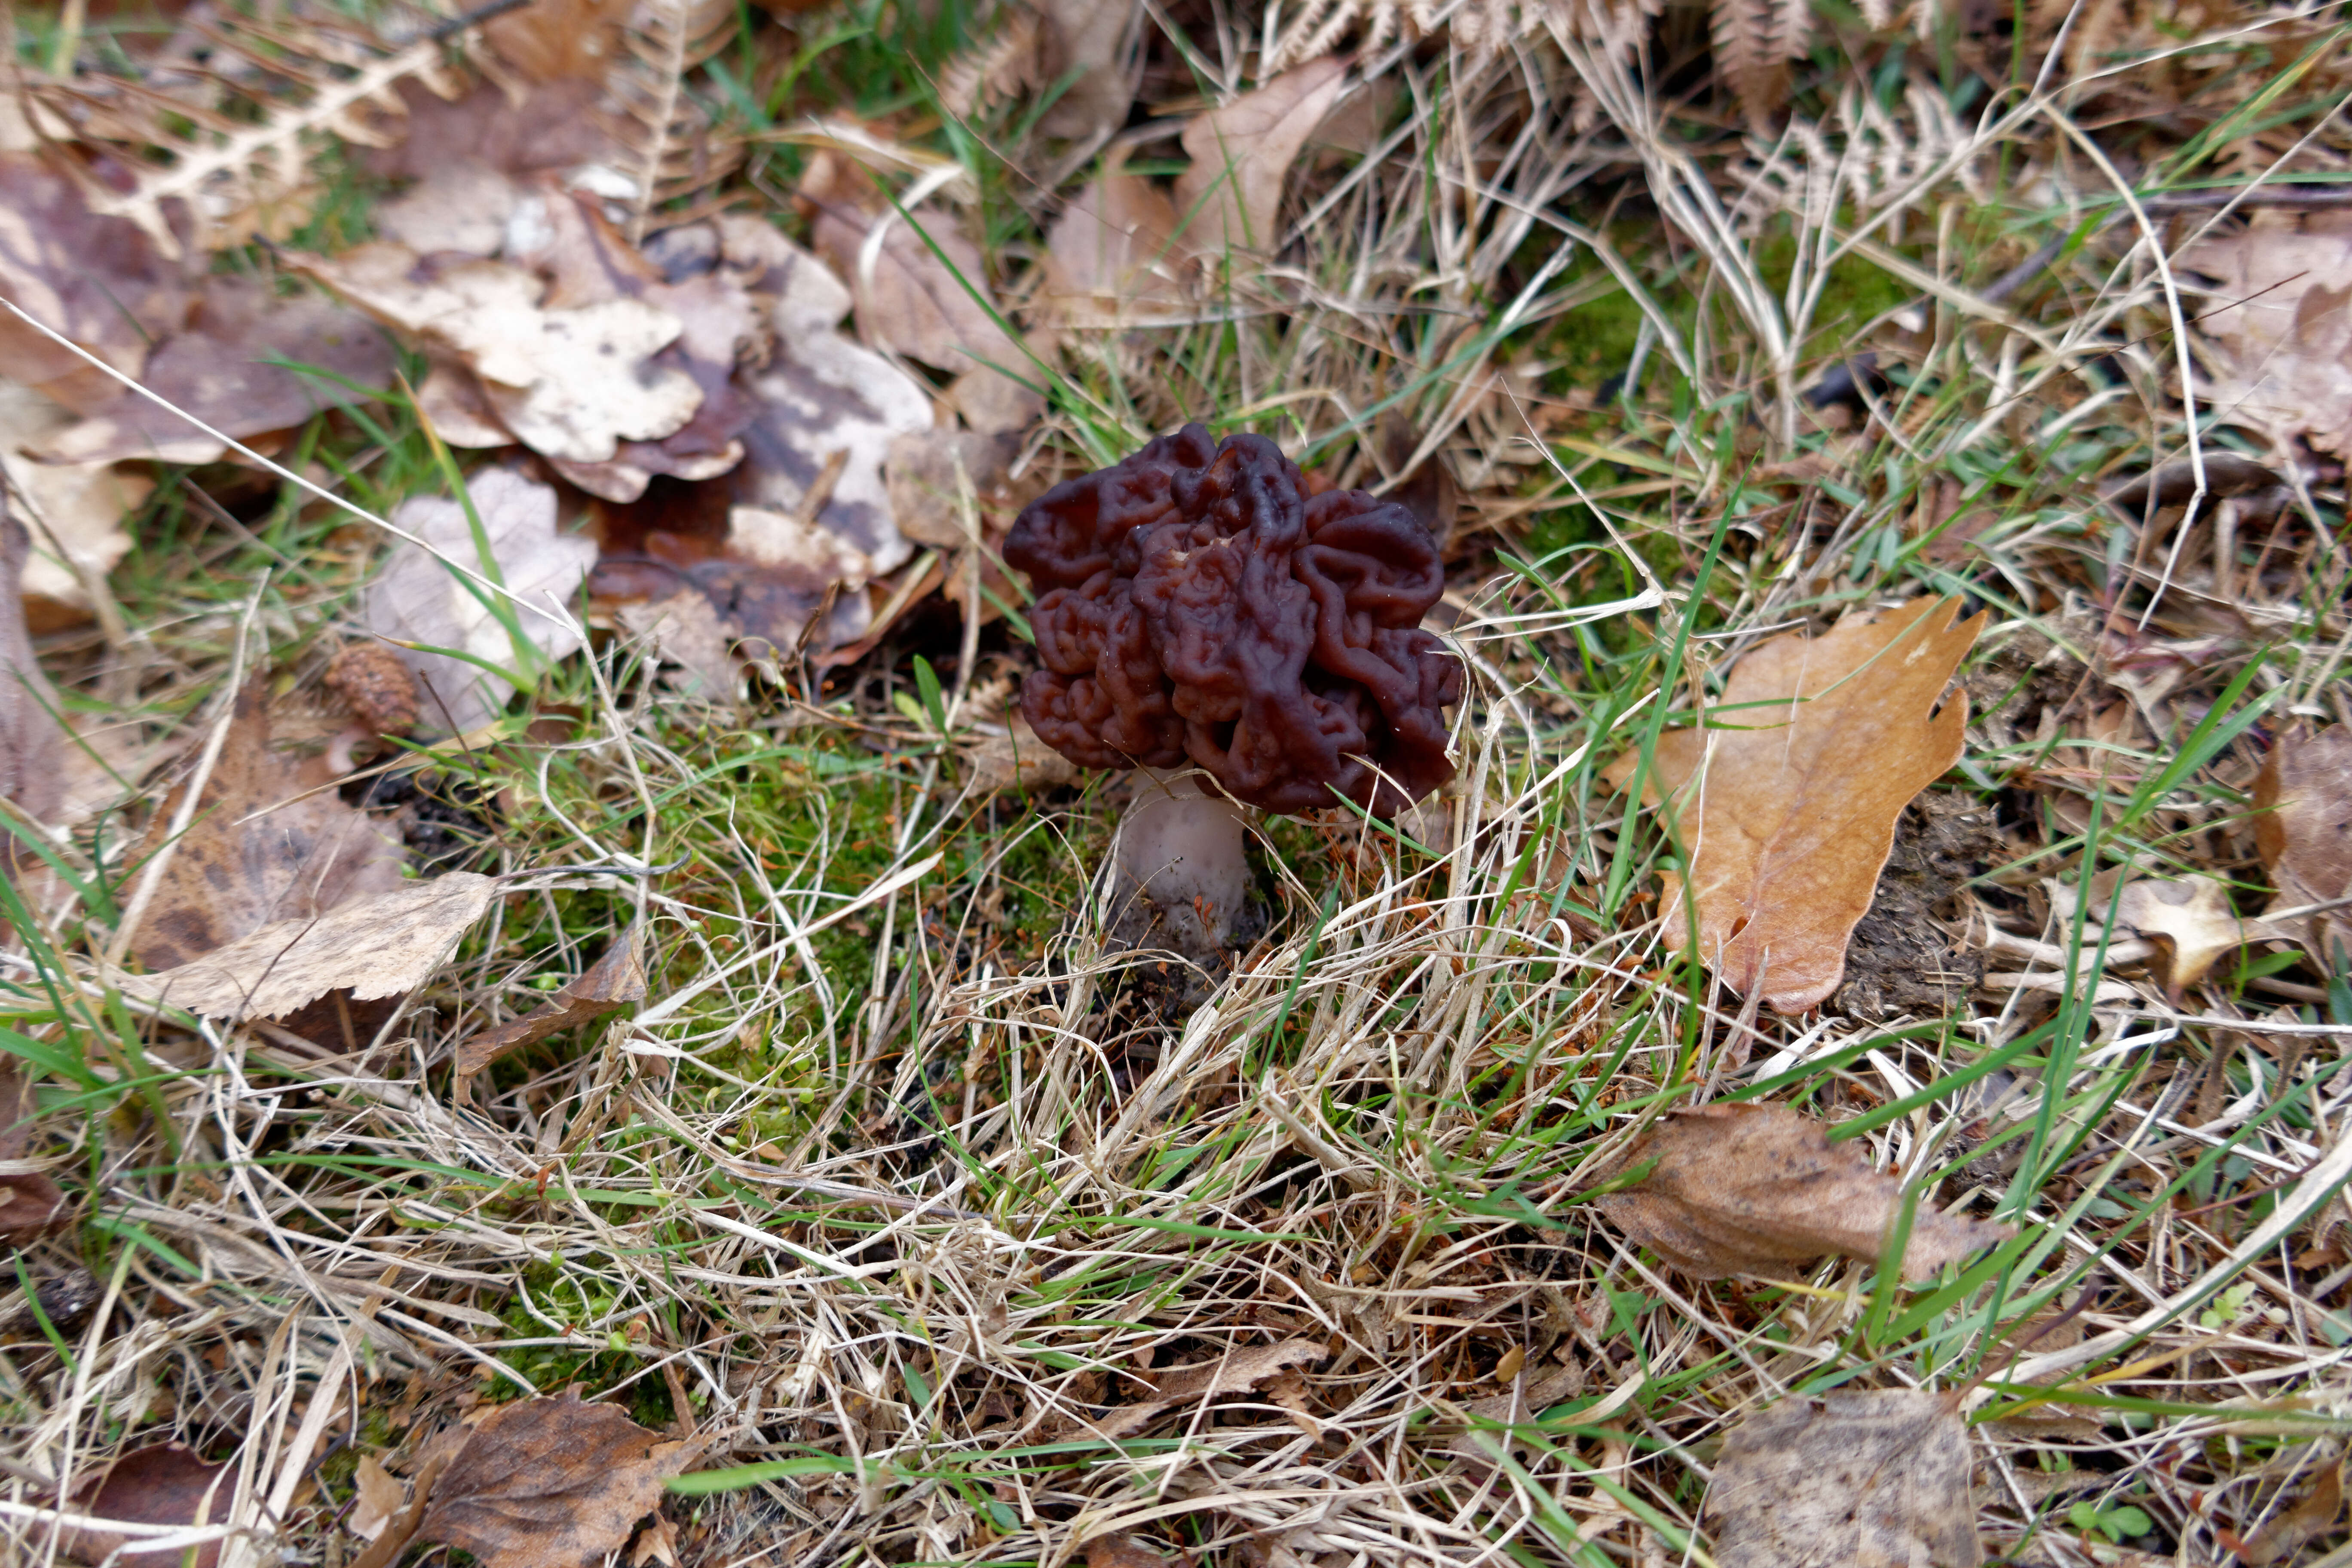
1197, 607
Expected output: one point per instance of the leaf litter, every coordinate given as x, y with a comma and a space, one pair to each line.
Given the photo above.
873, 1000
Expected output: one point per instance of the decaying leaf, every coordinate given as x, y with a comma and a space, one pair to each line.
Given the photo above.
380, 1499
267, 843
2291, 1530
1759, 1189
1788, 809
1085, 44
420, 599
1018, 760
383, 944
1859, 1477
30, 1203
2276, 327
471, 161
1124, 1549
549, 1483
96, 280
74, 511
229, 368
1239, 1371
166, 1484
2191, 916
2304, 833
32, 743
570, 382
687, 633
614, 981
1111, 256
1230, 197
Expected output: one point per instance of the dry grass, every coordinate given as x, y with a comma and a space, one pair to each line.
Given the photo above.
899, 1176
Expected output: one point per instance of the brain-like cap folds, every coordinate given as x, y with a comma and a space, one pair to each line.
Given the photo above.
1197, 607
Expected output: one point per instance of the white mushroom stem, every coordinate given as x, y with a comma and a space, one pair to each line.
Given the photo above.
1183, 848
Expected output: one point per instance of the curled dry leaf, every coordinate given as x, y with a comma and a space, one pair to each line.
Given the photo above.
384, 944
419, 598
1018, 760
164, 1485
1239, 1371
1756, 1189
1232, 195
380, 1499
2191, 916
2276, 328
1858, 1477
614, 981
2304, 795
74, 511
549, 1483
229, 369
1788, 809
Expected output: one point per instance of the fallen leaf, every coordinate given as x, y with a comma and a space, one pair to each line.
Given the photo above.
384, 944
97, 281
1232, 195
166, 1484
573, 383
1239, 1371
30, 1203
1858, 1477
1124, 1549
1017, 761
657, 1542
1756, 1189
2277, 329
266, 844
2175, 484
229, 369
549, 1483
380, 1499
32, 743
687, 633
2191, 916
2303, 830
2288, 1533
471, 161
614, 981
419, 598
1086, 43
1111, 256
1788, 809
918, 297
75, 511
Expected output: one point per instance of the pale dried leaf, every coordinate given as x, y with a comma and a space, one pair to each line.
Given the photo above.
1231, 198
73, 511
2277, 328
2303, 796
685, 631
1860, 1477
167, 1483
380, 1499
1017, 761
614, 981
549, 1483
571, 383
1111, 256
1789, 811
419, 599
1759, 1189
381, 945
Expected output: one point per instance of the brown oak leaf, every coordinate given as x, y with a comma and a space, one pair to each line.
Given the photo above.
549, 1483
2304, 834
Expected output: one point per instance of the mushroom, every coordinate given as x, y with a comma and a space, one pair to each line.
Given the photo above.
1202, 619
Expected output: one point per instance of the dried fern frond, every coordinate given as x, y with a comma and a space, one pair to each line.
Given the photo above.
677, 150
1480, 29
1004, 65
1754, 42
230, 145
